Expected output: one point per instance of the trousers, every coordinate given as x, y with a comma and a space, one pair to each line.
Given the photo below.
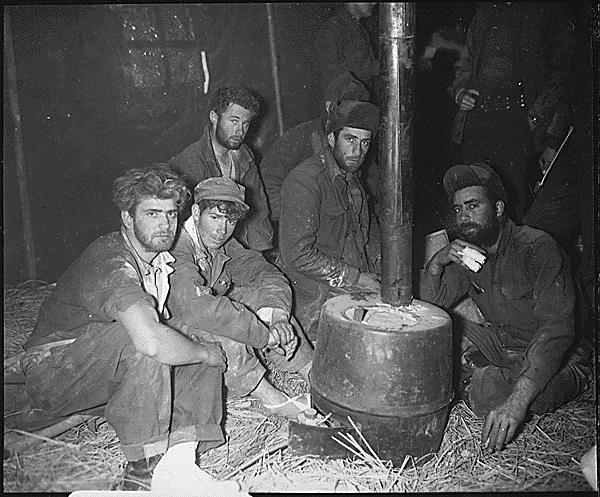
150, 405
245, 368
492, 384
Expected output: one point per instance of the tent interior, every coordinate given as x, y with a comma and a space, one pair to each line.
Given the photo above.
105, 88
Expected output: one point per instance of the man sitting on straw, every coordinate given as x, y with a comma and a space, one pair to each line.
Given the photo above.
525, 355
104, 337
235, 296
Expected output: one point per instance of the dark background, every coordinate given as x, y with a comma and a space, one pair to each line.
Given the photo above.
98, 97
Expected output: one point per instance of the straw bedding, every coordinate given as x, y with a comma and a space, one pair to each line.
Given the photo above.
544, 457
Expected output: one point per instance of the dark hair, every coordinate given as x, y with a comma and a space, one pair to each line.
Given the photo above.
234, 95
157, 181
234, 211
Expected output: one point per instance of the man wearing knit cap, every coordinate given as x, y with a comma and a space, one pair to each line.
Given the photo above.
225, 292
525, 356
304, 140
328, 241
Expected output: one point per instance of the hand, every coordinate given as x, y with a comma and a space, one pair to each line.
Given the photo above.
215, 355
451, 253
501, 424
282, 339
546, 159
368, 282
532, 120
467, 102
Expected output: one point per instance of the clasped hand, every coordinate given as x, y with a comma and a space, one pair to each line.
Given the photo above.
282, 339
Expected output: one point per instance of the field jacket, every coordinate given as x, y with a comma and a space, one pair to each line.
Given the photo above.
200, 285
325, 241
198, 162
525, 293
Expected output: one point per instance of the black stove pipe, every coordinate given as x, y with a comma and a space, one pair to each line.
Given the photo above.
396, 43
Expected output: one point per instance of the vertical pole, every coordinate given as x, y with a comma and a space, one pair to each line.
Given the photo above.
396, 39
274, 68
20, 156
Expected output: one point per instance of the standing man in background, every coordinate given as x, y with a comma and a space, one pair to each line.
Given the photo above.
222, 152
510, 81
342, 44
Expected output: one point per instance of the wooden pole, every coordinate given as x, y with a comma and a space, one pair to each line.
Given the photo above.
19, 154
274, 68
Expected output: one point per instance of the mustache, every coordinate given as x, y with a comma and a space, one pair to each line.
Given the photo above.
467, 225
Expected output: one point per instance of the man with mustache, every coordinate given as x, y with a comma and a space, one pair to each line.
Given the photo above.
105, 338
526, 355
222, 152
328, 242
225, 292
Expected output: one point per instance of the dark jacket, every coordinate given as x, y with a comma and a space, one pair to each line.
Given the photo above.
297, 144
104, 280
524, 290
198, 162
324, 242
547, 47
342, 44
199, 289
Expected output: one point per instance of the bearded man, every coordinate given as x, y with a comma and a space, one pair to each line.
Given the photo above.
222, 152
328, 241
526, 355
105, 338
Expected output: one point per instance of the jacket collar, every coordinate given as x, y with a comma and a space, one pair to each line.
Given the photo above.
242, 159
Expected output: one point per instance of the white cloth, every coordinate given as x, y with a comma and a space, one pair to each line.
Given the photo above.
177, 474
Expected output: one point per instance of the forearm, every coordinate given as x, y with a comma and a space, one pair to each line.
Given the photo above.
175, 349
523, 394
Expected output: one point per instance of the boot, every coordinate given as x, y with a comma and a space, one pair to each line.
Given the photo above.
138, 474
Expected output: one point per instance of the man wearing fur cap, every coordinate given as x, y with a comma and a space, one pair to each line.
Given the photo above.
328, 241
525, 354
304, 140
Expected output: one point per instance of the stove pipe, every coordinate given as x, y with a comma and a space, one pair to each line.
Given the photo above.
396, 42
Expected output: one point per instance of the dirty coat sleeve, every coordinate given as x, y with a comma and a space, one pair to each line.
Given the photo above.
300, 222
444, 289
249, 268
554, 298
191, 301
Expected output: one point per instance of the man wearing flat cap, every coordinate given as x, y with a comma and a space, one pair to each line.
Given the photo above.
224, 292
525, 355
328, 241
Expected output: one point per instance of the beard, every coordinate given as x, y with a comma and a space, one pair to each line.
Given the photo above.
344, 164
482, 235
154, 242
227, 141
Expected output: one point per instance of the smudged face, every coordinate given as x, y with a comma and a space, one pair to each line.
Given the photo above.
214, 227
153, 225
350, 148
231, 126
475, 217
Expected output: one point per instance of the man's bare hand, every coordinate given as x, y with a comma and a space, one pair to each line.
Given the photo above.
501, 425
546, 159
282, 339
467, 101
215, 355
451, 253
